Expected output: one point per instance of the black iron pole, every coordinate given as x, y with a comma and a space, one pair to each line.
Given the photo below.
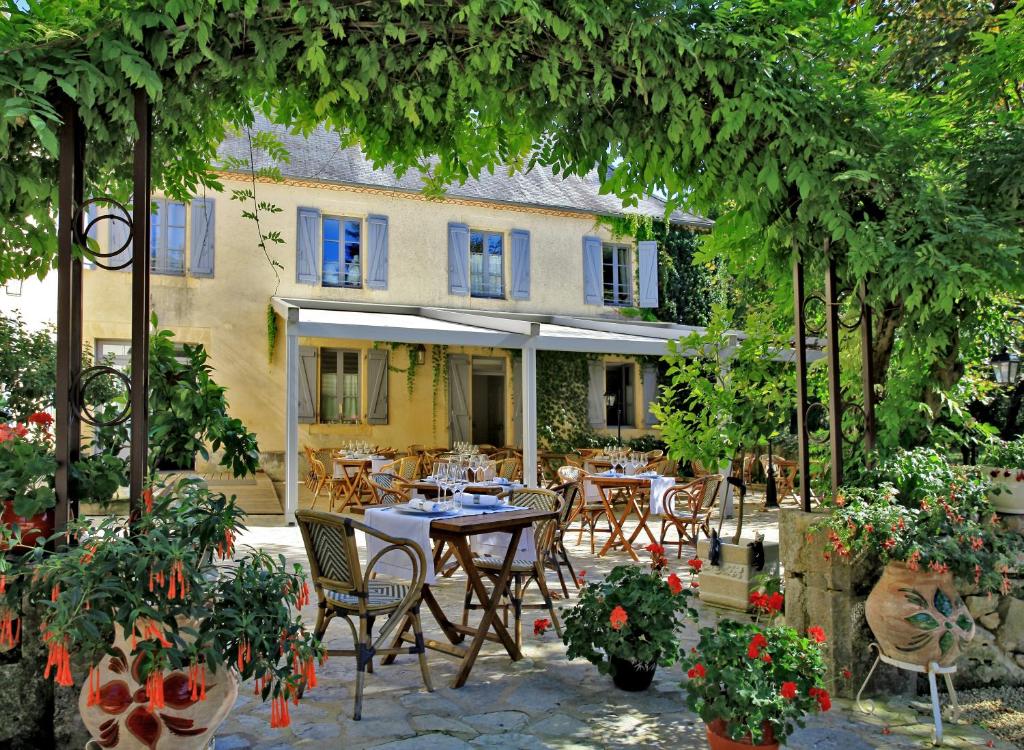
835, 395
800, 345
140, 303
771, 491
867, 375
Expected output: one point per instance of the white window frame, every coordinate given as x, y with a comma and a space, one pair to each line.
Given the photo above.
618, 292
344, 269
158, 259
338, 416
481, 283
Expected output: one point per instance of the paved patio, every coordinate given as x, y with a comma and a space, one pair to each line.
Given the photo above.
543, 701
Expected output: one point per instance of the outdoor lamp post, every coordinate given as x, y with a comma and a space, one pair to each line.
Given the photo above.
611, 399
771, 493
1005, 367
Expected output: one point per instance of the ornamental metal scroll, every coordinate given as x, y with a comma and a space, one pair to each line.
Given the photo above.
82, 233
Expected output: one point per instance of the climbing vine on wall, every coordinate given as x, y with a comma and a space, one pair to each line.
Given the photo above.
562, 387
271, 332
439, 363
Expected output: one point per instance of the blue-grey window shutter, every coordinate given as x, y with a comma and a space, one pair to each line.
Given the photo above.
307, 247
592, 282
377, 386
458, 259
92, 237
307, 383
202, 237
649, 376
520, 264
596, 408
647, 252
377, 249
460, 424
119, 238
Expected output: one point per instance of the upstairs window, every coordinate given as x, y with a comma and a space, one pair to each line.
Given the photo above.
486, 264
167, 238
342, 252
339, 386
617, 275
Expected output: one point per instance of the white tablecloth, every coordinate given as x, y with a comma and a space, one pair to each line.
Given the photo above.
376, 464
417, 529
659, 486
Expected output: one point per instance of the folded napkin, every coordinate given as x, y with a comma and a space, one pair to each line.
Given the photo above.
469, 500
610, 473
430, 506
649, 474
501, 480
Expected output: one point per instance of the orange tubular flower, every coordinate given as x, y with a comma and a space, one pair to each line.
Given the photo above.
155, 690
94, 687
10, 628
58, 659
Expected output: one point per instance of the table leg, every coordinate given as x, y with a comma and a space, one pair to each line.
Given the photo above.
490, 619
644, 512
616, 523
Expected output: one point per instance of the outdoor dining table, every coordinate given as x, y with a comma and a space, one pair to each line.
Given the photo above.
353, 476
640, 494
457, 531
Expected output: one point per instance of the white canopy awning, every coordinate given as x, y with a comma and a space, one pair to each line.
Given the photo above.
410, 324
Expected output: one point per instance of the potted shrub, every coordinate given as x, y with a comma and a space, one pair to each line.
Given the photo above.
752, 683
27, 466
627, 624
732, 396
167, 636
1002, 463
932, 527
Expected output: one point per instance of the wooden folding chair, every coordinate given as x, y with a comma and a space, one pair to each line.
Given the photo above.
524, 572
688, 508
572, 500
587, 511
345, 590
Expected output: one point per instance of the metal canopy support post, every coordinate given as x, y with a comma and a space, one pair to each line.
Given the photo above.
291, 415
800, 350
835, 396
867, 375
69, 309
140, 303
530, 411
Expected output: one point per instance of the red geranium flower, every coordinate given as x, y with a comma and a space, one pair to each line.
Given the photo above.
756, 644
847, 674
696, 563
788, 690
821, 695
618, 617
698, 671
655, 549
674, 584
816, 633
541, 625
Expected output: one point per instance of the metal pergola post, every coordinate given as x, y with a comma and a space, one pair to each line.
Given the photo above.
835, 394
800, 350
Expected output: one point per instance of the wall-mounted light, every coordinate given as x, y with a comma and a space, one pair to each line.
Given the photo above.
421, 354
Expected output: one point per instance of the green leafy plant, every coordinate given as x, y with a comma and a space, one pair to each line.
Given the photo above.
1003, 454
633, 614
271, 332
96, 477
927, 514
27, 465
158, 581
754, 681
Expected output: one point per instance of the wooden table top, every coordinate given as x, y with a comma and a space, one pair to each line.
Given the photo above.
483, 523
474, 489
620, 481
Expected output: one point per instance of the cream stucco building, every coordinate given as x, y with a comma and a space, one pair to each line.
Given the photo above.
525, 252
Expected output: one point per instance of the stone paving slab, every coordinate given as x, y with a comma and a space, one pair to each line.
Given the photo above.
543, 701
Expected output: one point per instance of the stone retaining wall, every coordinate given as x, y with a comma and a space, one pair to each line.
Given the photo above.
831, 593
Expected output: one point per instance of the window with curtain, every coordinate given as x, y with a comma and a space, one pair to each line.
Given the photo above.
486, 264
342, 252
167, 238
618, 277
339, 385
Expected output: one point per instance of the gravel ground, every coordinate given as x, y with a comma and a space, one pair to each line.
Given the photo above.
1000, 710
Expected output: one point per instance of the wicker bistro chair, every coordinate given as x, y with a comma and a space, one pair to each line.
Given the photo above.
524, 572
313, 481
406, 468
510, 468
589, 512
345, 590
388, 489
688, 508
324, 479
785, 474
666, 467
572, 498
654, 455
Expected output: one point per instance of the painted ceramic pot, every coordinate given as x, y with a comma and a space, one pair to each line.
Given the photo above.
33, 529
918, 617
1008, 486
718, 739
122, 719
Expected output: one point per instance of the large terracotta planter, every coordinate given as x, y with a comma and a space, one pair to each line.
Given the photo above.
1010, 498
33, 529
632, 676
718, 739
122, 719
917, 616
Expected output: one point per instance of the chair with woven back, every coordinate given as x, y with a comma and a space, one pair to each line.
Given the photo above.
785, 474
665, 467
524, 572
571, 493
312, 481
587, 511
406, 468
698, 468
654, 455
688, 508
388, 489
510, 468
346, 590
325, 480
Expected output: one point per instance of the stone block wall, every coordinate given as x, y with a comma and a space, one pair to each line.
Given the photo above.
831, 593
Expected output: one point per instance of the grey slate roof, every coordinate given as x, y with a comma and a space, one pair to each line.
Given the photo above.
320, 157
